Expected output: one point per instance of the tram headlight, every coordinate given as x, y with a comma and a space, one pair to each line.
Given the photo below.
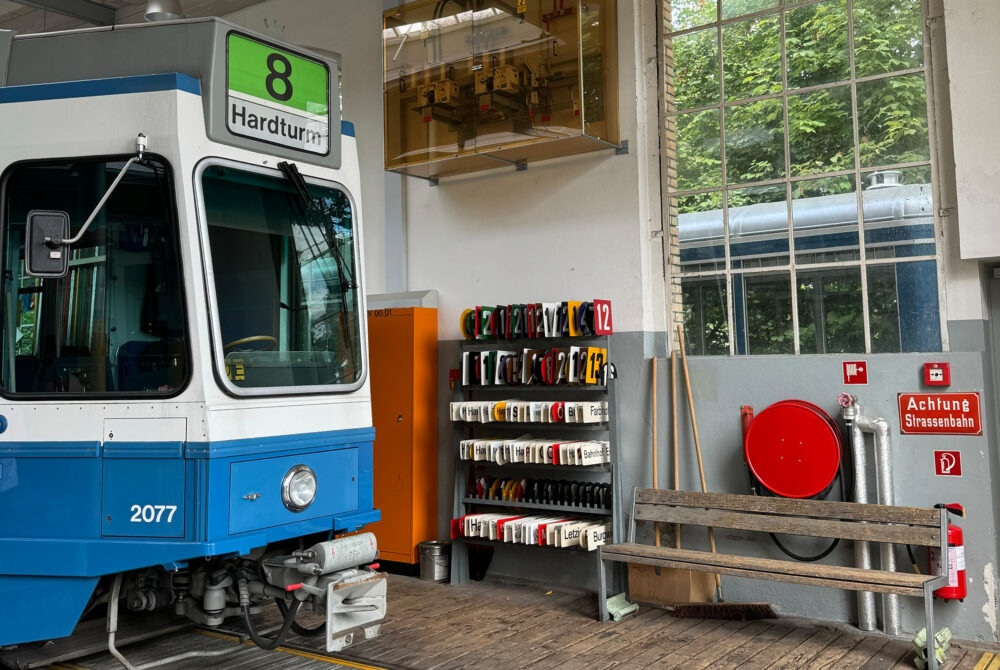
298, 488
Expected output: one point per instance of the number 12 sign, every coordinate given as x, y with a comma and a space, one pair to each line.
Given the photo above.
602, 318
277, 96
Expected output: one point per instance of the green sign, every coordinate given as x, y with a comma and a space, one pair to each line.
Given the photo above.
277, 96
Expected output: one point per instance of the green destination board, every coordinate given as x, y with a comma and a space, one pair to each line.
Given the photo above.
277, 96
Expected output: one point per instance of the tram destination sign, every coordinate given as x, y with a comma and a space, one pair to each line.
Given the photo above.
277, 96
940, 414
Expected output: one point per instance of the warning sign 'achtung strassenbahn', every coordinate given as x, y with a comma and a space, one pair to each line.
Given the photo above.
940, 414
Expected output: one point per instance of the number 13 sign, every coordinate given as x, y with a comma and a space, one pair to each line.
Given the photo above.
602, 317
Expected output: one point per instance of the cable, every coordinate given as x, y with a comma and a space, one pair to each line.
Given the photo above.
264, 643
785, 550
301, 631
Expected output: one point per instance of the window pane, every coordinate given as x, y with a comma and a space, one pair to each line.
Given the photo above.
892, 120
755, 142
699, 159
696, 69
820, 132
830, 311
764, 316
116, 322
888, 36
751, 58
903, 303
733, 8
690, 13
825, 219
705, 320
758, 227
816, 44
700, 228
899, 213
284, 280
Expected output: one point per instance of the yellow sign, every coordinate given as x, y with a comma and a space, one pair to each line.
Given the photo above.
522, 6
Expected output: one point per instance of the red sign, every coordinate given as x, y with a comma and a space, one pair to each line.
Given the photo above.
855, 372
602, 318
948, 463
940, 414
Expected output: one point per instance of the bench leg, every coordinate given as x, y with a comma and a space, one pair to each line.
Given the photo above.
932, 662
602, 594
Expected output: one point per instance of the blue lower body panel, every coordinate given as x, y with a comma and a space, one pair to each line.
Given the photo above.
78, 518
43, 608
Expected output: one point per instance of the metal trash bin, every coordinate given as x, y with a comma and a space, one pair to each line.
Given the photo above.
435, 561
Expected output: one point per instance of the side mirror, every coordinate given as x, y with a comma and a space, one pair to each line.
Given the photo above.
45, 254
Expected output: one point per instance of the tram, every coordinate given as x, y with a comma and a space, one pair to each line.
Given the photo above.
185, 422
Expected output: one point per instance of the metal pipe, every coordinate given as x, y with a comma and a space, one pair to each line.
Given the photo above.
862, 552
883, 472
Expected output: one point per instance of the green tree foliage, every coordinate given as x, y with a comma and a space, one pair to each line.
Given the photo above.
892, 115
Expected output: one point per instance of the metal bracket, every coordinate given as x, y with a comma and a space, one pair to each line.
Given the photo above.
622, 149
433, 181
521, 165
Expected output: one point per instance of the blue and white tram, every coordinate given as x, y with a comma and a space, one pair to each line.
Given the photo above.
185, 419
898, 224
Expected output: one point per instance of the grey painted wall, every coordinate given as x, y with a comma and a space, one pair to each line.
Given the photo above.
720, 386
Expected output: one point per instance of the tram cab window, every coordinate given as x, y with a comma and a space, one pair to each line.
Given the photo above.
115, 323
285, 282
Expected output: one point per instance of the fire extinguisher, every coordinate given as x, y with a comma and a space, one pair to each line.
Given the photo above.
956, 588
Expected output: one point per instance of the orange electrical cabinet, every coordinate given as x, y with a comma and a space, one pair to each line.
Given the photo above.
403, 363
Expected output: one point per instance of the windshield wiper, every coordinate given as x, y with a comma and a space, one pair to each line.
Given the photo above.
311, 205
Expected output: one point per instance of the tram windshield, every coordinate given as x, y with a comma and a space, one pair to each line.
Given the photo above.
285, 281
115, 323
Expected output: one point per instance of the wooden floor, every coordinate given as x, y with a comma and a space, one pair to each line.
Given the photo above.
492, 625
488, 624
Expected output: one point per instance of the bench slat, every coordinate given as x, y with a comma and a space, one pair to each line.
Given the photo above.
770, 523
827, 509
854, 579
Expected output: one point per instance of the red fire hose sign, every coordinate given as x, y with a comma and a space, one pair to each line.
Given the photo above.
940, 414
948, 463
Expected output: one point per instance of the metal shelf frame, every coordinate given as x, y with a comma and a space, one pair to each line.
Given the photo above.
606, 472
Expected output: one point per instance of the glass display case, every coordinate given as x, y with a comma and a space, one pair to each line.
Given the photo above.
476, 84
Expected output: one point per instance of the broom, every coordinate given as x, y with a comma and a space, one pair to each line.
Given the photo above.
719, 609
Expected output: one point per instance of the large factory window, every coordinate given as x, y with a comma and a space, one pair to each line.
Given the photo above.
800, 185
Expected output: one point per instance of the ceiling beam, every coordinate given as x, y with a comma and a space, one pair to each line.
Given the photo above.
84, 10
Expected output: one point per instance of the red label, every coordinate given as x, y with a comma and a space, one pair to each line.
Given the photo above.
948, 463
940, 414
602, 318
855, 372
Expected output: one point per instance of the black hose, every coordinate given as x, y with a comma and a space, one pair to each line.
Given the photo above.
299, 630
264, 643
785, 550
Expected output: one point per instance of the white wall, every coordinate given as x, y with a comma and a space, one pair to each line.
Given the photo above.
352, 29
973, 54
570, 228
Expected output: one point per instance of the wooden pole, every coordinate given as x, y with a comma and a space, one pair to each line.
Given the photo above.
697, 442
656, 465
673, 424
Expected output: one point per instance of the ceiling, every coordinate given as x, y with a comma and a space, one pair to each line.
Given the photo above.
25, 19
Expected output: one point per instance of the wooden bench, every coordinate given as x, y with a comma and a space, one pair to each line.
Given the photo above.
816, 518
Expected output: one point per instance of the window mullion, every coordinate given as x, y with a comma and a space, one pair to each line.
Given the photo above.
794, 293
859, 185
730, 311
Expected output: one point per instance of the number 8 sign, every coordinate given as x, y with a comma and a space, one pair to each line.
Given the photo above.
602, 317
277, 96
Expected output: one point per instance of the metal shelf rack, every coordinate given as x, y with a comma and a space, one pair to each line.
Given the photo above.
604, 473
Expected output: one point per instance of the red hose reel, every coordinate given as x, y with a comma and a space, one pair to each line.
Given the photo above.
793, 448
